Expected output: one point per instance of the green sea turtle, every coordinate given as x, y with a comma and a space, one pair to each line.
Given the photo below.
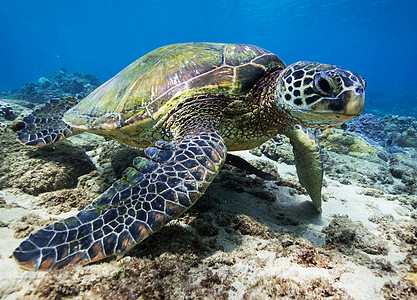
193, 102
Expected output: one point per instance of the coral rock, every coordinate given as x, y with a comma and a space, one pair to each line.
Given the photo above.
344, 142
41, 170
59, 84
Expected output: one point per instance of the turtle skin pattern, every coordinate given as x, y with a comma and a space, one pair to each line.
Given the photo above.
149, 194
44, 125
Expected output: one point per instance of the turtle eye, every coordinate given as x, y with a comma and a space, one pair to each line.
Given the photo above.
323, 85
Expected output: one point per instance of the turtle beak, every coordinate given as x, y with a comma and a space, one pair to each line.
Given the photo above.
354, 102
344, 107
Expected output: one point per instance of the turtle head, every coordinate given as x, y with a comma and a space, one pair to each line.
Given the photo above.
319, 95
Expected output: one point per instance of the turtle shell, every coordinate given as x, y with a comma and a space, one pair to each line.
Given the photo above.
149, 87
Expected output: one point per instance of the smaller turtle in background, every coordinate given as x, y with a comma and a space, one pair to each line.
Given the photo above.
193, 102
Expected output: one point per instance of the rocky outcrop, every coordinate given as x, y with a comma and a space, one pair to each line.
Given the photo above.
369, 127
40, 170
401, 130
6, 111
59, 84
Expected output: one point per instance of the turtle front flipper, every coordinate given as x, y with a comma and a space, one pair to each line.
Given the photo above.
45, 125
308, 160
149, 195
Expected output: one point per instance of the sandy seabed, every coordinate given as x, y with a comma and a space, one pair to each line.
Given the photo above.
246, 238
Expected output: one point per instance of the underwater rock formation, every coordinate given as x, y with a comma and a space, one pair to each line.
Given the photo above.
243, 240
403, 167
277, 149
247, 238
369, 127
401, 130
10, 109
350, 159
344, 142
359, 155
369, 172
350, 237
59, 84
40, 170
6, 111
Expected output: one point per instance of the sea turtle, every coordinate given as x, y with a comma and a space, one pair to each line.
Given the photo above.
193, 102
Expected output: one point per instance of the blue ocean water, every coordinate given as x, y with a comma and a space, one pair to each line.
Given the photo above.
377, 39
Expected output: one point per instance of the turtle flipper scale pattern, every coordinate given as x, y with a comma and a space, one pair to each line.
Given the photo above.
149, 194
45, 126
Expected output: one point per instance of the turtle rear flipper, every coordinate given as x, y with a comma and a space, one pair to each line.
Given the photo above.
45, 125
308, 161
148, 196
242, 164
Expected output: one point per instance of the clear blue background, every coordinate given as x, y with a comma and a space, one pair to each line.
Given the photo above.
377, 39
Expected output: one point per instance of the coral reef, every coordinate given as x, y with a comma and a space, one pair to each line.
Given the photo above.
403, 167
246, 238
348, 237
344, 142
399, 290
401, 130
59, 84
277, 149
369, 127
89, 187
28, 224
40, 170
242, 240
6, 111
349, 169
394, 176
